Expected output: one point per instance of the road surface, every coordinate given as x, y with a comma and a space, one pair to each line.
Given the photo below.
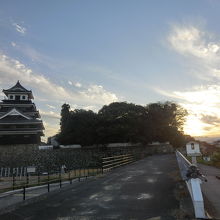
140, 190
211, 188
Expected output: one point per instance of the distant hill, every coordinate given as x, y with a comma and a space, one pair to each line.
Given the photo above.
208, 139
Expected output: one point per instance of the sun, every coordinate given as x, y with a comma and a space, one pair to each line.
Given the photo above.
194, 126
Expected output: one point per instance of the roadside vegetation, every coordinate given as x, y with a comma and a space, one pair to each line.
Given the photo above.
214, 160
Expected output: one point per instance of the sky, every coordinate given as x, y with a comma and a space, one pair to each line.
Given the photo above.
89, 53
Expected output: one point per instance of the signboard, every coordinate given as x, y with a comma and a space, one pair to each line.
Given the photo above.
31, 169
193, 149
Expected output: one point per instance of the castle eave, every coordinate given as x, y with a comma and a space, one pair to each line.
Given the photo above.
22, 122
21, 132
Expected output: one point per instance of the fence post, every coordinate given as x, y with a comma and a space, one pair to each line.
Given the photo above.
60, 179
38, 178
86, 172
24, 193
27, 179
102, 164
48, 181
74, 172
48, 186
79, 174
13, 181
70, 179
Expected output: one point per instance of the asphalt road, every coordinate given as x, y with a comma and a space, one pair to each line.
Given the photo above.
140, 190
211, 188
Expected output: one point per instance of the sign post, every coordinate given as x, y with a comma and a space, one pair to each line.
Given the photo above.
193, 150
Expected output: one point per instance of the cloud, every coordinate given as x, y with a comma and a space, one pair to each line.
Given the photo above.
78, 85
70, 83
13, 44
47, 90
49, 114
14, 69
95, 92
207, 95
36, 56
51, 106
210, 119
50, 130
93, 96
202, 104
91, 107
19, 28
192, 41
200, 49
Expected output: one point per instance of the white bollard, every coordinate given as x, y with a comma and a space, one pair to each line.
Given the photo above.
197, 198
194, 161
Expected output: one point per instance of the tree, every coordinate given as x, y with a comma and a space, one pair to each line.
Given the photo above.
77, 127
65, 115
123, 122
166, 121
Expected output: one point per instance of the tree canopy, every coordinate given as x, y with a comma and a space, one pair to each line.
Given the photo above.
123, 122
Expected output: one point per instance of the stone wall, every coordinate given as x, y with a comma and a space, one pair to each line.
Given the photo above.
30, 155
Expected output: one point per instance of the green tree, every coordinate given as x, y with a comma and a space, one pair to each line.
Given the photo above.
65, 115
121, 122
77, 127
166, 121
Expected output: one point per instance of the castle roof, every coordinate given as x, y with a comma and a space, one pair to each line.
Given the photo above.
14, 111
18, 88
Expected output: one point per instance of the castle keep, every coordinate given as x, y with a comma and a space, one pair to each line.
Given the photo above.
20, 121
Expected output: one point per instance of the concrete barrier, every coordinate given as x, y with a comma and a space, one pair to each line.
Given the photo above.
193, 182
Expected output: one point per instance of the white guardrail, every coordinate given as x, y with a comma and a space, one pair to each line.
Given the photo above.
191, 175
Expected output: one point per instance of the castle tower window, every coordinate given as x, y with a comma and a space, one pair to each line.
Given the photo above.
17, 97
23, 97
11, 97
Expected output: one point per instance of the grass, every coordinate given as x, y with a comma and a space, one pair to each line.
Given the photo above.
53, 178
215, 162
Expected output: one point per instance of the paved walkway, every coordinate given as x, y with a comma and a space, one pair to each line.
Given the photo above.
140, 190
12, 198
211, 189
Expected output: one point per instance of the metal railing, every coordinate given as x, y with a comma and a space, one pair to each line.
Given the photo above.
9, 172
109, 163
14, 180
14, 183
184, 164
193, 178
